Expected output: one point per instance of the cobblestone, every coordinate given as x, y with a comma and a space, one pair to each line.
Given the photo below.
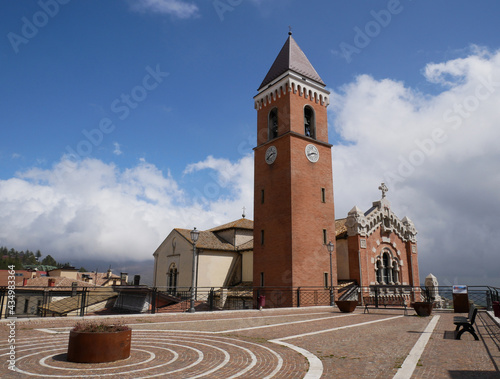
246, 344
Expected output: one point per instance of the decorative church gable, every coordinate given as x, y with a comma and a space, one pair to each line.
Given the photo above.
379, 216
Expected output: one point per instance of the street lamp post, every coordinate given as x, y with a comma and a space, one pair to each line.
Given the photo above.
330, 247
194, 237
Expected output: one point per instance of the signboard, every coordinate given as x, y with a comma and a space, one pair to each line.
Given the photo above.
459, 289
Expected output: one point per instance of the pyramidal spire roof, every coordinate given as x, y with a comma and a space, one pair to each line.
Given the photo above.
291, 57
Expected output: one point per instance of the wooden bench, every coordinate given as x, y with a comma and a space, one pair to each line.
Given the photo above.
466, 324
394, 300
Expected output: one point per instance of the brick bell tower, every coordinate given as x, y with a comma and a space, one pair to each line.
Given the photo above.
294, 214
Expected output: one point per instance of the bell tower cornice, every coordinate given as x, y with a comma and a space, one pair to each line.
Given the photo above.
290, 82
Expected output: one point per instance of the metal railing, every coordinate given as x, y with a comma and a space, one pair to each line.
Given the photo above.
80, 301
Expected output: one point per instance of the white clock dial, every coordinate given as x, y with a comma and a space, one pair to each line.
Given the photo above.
312, 153
271, 154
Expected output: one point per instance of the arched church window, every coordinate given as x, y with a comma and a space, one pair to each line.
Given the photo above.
379, 272
386, 270
395, 272
273, 123
309, 122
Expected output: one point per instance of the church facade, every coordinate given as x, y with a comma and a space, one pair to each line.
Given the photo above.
286, 246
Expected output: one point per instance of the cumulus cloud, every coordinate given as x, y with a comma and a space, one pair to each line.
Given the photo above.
438, 154
94, 210
177, 8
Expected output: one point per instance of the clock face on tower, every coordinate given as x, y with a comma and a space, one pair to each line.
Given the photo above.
312, 153
271, 154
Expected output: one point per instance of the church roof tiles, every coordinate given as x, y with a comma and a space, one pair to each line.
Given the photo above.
292, 58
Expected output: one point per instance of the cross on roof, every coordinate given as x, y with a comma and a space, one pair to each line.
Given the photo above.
384, 189
243, 215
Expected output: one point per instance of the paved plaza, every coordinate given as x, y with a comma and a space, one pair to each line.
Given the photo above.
316, 342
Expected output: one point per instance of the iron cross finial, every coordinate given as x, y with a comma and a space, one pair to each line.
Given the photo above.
384, 189
289, 30
243, 215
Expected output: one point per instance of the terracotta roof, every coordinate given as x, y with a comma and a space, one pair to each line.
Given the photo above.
242, 223
207, 240
102, 277
340, 228
60, 282
292, 58
73, 303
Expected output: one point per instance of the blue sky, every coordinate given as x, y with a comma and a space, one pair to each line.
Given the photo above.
124, 119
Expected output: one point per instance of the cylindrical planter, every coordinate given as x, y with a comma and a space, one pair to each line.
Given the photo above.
87, 347
347, 306
496, 308
423, 308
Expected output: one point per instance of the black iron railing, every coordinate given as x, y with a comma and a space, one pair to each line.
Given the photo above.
80, 301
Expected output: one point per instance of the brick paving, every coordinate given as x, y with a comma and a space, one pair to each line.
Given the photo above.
245, 344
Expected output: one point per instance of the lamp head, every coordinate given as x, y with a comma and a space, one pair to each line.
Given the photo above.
194, 235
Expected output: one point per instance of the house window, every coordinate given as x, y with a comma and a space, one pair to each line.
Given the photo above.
273, 123
309, 122
324, 236
323, 195
262, 279
262, 196
26, 305
172, 279
386, 269
262, 237
325, 276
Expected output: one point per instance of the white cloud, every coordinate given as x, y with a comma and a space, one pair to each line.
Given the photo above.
438, 154
177, 8
94, 210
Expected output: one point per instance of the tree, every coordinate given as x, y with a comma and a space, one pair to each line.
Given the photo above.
49, 261
38, 255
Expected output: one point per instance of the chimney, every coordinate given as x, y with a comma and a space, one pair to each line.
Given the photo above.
25, 281
52, 282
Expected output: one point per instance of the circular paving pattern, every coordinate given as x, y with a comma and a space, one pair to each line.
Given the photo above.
157, 354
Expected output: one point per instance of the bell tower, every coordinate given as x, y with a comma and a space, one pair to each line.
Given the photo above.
294, 214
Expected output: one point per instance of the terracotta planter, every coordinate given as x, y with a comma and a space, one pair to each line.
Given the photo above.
423, 308
85, 347
496, 309
347, 306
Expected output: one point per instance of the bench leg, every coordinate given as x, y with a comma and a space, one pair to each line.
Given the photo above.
469, 329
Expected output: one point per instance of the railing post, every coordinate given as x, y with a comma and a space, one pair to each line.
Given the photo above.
84, 300
154, 293
211, 299
376, 297
3, 292
298, 297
